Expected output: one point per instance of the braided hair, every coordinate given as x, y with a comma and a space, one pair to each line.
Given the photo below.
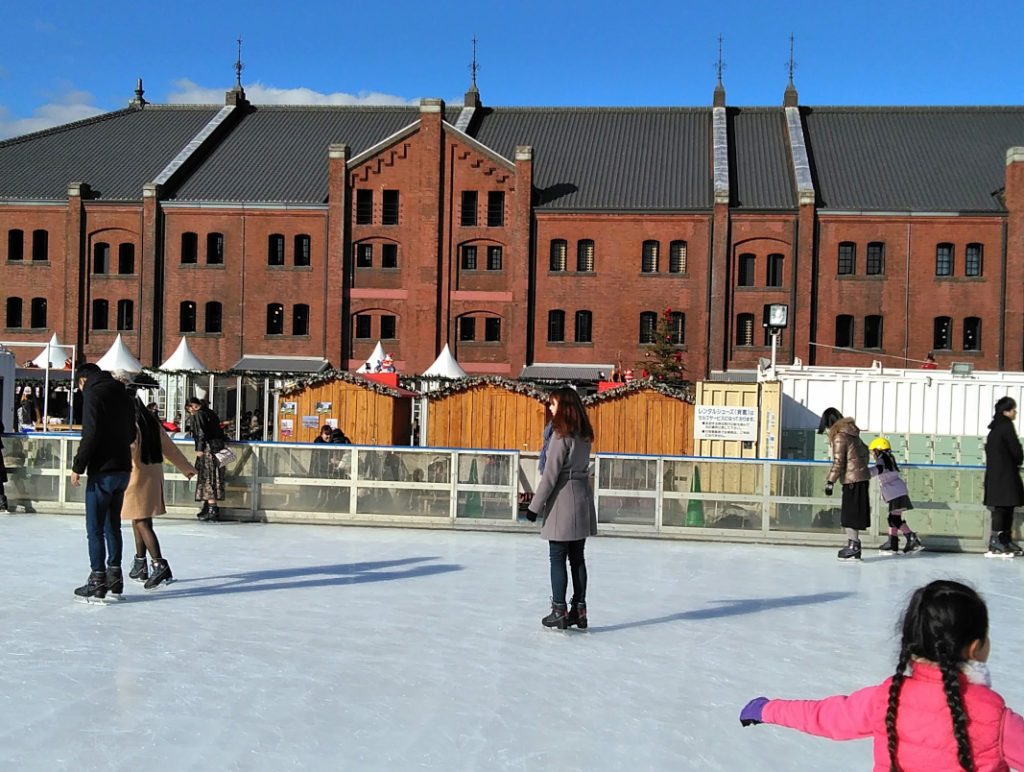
941, 621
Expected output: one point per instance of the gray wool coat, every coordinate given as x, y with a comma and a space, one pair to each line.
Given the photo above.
564, 498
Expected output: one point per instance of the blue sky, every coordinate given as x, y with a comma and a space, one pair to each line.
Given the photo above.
62, 60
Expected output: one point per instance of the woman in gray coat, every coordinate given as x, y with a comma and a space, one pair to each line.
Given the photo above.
565, 502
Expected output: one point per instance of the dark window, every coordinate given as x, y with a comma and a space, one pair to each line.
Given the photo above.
189, 248
493, 258
972, 333
389, 255
559, 257
125, 315
40, 245
942, 330
847, 259
275, 319
214, 248
389, 208
364, 255
38, 312
745, 270
126, 259
14, 312
302, 249
275, 249
364, 207
388, 327
649, 257
214, 317
844, 331
584, 326
944, 260
648, 326
556, 326
873, 331
585, 256
469, 208
773, 276
468, 257
187, 316
972, 260
875, 261
100, 258
363, 329
467, 328
677, 257
492, 328
745, 330
677, 328
495, 209
15, 245
300, 319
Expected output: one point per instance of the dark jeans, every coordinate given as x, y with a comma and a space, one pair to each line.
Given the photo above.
1002, 519
573, 550
104, 494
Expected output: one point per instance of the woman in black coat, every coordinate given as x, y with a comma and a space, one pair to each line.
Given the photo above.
210, 439
1003, 487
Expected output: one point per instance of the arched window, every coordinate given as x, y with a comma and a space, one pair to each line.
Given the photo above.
585, 256
40, 245
844, 331
214, 317
214, 248
187, 316
275, 249
559, 259
874, 264
873, 331
677, 328
847, 259
15, 244
972, 333
302, 248
584, 325
556, 326
300, 319
275, 319
126, 258
677, 257
14, 306
100, 314
189, 248
942, 333
125, 315
38, 312
944, 260
100, 257
972, 260
648, 326
773, 274
649, 256
744, 329
745, 266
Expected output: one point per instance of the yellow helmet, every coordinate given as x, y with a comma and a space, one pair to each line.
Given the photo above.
880, 443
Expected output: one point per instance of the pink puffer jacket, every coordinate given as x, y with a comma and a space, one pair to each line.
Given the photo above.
924, 726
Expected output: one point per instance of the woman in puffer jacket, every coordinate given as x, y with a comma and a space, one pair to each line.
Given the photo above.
849, 469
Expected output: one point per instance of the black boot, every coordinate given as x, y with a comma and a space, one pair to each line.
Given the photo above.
577, 614
891, 545
140, 569
95, 587
557, 618
212, 512
202, 513
115, 581
160, 574
851, 551
3, 504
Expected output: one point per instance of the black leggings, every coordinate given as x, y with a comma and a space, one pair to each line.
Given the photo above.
1002, 519
573, 550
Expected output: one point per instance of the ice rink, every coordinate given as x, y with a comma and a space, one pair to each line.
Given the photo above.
286, 647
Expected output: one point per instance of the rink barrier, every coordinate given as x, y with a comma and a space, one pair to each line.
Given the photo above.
679, 497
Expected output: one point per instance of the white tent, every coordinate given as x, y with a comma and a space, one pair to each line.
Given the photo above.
183, 359
445, 366
54, 355
378, 355
118, 357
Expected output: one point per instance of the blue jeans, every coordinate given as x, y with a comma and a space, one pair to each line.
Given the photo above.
104, 494
573, 550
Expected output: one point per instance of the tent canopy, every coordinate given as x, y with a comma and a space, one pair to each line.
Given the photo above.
183, 359
445, 366
370, 365
55, 355
118, 357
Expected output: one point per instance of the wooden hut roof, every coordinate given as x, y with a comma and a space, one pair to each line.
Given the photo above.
459, 385
683, 391
329, 376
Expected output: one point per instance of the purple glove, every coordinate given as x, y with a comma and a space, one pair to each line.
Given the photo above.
751, 713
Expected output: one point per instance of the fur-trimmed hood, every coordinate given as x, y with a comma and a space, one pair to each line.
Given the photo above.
846, 425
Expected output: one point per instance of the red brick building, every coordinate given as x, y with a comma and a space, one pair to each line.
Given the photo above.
520, 235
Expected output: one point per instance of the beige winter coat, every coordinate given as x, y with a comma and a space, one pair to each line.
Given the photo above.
144, 496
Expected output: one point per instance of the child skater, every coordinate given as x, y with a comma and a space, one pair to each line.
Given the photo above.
895, 494
937, 712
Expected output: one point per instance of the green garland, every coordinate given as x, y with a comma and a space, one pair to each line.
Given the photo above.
684, 392
451, 386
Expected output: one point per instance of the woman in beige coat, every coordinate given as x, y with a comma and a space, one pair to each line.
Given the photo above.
144, 497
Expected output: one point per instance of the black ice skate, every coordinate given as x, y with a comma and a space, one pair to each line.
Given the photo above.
558, 618
161, 574
891, 545
115, 582
95, 589
212, 513
4, 507
202, 513
1001, 546
140, 570
851, 551
913, 544
577, 615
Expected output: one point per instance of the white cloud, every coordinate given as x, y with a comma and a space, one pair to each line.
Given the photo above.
72, 105
187, 92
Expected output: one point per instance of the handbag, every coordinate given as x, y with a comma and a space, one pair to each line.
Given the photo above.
224, 456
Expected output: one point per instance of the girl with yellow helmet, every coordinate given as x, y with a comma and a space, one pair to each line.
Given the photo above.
895, 493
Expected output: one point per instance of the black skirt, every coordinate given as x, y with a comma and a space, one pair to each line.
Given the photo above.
900, 504
856, 506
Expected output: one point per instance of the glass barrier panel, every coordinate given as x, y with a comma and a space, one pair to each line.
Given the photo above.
380, 500
625, 510
697, 513
485, 468
629, 474
383, 465
304, 498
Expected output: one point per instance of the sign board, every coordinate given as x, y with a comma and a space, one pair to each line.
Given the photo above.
711, 422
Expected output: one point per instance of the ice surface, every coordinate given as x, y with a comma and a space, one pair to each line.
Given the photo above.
288, 647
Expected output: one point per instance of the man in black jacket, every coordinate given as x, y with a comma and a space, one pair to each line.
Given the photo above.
104, 454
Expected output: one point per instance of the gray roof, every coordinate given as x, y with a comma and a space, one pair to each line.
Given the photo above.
760, 167
622, 158
565, 372
925, 159
116, 153
281, 364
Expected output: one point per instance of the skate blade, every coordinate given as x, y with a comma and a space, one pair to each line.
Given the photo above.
1001, 555
93, 601
164, 583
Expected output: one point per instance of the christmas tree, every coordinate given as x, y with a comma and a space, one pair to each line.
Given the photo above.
663, 357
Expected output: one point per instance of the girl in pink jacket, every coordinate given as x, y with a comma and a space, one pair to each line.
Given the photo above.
937, 712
